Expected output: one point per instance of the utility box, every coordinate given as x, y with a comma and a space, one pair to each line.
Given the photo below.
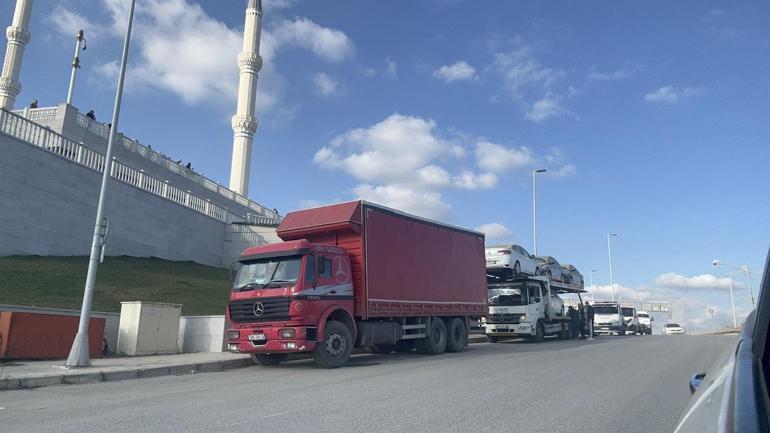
148, 328
45, 336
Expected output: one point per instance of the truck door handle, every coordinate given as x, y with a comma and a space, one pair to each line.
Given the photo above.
333, 292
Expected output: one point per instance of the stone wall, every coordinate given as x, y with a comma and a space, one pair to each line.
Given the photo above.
238, 237
48, 206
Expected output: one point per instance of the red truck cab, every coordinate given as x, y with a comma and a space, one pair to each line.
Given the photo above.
282, 292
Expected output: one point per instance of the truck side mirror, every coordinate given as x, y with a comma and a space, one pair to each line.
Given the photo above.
234, 266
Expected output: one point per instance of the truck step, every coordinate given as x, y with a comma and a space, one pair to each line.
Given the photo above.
412, 336
417, 326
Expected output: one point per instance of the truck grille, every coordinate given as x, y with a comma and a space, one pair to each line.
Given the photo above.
249, 311
503, 318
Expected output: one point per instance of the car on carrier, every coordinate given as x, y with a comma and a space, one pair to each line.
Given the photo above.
572, 275
548, 266
512, 256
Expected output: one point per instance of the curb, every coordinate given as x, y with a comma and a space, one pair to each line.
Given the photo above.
127, 374
142, 373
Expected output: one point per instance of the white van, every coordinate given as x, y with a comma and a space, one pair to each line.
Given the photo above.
608, 318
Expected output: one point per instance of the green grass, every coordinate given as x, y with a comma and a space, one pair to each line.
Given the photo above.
59, 281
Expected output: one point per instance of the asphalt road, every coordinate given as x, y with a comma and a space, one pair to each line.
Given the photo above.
613, 384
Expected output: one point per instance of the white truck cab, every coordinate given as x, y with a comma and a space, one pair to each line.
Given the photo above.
528, 307
631, 319
645, 322
608, 318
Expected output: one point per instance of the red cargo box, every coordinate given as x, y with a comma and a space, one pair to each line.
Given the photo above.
44, 336
402, 265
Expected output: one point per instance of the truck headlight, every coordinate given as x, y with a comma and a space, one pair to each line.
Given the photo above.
233, 334
288, 333
523, 317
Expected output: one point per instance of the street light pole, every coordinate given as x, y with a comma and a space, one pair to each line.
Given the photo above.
534, 209
732, 300
744, 268
609, 255
79, 355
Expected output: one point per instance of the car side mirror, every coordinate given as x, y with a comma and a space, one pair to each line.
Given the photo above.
696, 380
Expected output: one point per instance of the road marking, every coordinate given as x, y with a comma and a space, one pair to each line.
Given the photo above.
273, 415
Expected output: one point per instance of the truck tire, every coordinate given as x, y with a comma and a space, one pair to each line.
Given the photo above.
336, 346
539, 332
435, 342
457, 337
492, 339
269, 358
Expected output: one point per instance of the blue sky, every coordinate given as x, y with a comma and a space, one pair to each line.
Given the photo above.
650, 117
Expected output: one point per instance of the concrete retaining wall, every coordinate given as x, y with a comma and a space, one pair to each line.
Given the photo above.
202, 334
238, 237
48, 205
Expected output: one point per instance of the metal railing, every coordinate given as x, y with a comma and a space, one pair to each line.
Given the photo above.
103, 130
28, 131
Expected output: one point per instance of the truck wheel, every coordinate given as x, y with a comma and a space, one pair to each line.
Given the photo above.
492, 339
435, 342
334, 350
539, 333
269, 358
457, 338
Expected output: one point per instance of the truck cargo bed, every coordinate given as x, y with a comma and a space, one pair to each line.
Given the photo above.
402, 265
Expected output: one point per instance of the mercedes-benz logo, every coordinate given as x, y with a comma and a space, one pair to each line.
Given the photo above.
259, 309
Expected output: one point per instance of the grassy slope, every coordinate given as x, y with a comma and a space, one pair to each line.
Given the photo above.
59, 281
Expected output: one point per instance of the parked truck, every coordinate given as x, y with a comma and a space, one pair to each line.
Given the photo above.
357, 275
528, 307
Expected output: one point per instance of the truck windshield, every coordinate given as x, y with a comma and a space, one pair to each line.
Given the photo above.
643, 315
507, 296
499, 275
273, 272
605, 309
628, 312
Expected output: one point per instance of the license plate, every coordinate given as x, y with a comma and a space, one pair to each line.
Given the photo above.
491, 262
257, 337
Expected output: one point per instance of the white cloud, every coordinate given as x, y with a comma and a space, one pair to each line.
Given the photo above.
428, 204
457, 72
495, 232
68, 22
564, 170
274, 5
328, 44
619, 74
470, 180
547, 107
496, 158
325, 85
522, 73
178, 47
391, 69
696, 282
670, 94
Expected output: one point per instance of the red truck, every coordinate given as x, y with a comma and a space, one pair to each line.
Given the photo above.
357, 274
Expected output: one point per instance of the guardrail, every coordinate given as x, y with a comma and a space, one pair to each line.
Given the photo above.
723, 331
103, 130
28, 131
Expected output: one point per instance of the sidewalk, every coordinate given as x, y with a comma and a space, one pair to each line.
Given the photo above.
33, 374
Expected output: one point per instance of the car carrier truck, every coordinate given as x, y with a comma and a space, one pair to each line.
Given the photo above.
357, 275
528, 307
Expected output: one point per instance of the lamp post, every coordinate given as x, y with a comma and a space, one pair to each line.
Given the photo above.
79, 355
732, 300
744, 268
534, 209
609, 255
591, 278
